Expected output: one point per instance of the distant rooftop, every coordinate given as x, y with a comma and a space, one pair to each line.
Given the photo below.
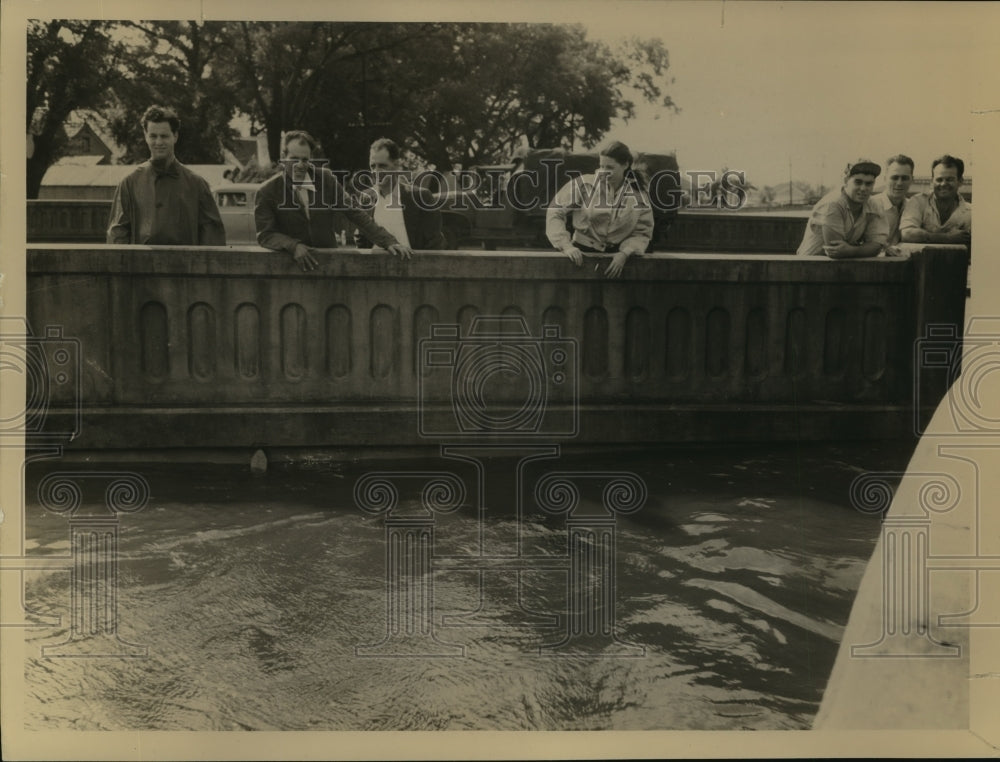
82, 177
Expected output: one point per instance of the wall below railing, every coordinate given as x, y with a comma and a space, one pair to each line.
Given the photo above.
64, 221
184, 347
743, 232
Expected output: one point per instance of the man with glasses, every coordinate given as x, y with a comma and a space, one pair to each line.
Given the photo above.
296, 210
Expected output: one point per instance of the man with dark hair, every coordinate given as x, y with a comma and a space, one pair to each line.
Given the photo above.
890, 202
846, 223
398, 206
940, 215
162, 202
296, 209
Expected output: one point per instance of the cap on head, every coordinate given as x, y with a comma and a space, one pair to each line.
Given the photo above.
863, 167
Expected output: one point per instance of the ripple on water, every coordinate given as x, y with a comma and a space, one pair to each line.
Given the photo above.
252, 598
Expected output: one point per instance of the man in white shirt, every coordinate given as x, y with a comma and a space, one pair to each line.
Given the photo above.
940, 215
402, 209
890, 202
296, 210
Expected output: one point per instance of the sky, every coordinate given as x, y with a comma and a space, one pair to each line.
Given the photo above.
762, 85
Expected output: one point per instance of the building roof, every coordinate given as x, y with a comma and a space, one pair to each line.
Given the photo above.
245, 149
80, 119
83, 172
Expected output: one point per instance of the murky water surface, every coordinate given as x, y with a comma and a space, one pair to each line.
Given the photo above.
257, 596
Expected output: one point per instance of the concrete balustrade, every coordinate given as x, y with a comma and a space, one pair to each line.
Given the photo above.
68, 221
742, 232
234, 347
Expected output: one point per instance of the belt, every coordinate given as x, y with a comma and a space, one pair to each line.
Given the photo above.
611, 249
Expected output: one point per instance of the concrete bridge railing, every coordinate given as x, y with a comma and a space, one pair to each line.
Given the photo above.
86, 221
185, 347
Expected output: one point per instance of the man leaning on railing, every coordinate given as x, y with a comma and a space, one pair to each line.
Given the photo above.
847, 223
940, 215
296, 209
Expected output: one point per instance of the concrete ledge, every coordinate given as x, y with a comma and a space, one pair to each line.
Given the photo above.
930, 591
391, 425
234, 347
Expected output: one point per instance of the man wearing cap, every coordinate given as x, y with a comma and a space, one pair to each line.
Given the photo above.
941, 215
846, 223
890, 202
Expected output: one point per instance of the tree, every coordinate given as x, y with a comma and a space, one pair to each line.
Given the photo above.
313, 76
811, 193
466, 93
480, 89
177, 64
71, 65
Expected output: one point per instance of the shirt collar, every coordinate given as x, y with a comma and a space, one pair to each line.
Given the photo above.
170, 170
932, 199
887, 201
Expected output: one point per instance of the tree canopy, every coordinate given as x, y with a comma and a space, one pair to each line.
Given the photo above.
71, 65
449, 93
176, 64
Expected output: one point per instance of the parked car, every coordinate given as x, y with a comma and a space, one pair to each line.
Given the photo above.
236, 202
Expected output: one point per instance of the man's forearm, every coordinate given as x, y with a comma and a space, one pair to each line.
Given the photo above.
270, 239
119, 223
956, 237
268, 234
847, 251
370, 229
919, 235
913, 235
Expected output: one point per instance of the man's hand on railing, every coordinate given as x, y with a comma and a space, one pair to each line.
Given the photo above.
575, 255
398, 249
896, 251
617, 265
304, 257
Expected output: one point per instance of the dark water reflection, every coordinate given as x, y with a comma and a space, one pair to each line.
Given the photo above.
252, 594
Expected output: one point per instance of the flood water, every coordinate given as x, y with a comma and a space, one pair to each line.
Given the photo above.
255, 597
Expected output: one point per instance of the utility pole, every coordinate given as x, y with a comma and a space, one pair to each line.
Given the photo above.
790, 200
362, 122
